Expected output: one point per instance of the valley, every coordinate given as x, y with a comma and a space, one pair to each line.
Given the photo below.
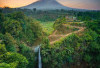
49, 38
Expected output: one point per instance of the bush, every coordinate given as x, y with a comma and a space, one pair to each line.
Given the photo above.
2, 49
14, 57
29, 54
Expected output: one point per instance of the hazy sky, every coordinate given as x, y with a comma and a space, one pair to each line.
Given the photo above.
15, 3
84, 4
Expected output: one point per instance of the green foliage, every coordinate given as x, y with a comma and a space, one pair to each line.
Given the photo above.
14, 57
33, 31
2, 17
47, 27
11, 59
10, 42
88, 15
12, 26
18, 16
58, 23
5, 65
17, 32
21, 27
28, 53
35, 28
46, 42
87, 58
60, 53
94, 25
73, 50
2, 49
92, 52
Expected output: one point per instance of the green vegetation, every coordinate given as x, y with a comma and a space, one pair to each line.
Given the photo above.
17, 34
48, 27
20, 29
59, 23
74, 49
11, 59
52, 15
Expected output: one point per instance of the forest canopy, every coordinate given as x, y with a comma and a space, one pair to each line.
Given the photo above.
22, 29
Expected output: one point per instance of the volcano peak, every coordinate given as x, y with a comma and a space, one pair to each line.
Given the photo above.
46, 4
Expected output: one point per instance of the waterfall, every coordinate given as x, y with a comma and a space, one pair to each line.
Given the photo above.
37, 50
39, 59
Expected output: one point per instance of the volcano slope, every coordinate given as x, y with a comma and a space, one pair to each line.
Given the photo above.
46, 5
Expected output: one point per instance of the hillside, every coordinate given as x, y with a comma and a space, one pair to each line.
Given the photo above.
52, 37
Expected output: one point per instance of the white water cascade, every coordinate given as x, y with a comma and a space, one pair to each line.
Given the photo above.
37, 50
39, 59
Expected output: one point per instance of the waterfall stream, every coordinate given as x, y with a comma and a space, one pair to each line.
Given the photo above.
37, 50
39, 59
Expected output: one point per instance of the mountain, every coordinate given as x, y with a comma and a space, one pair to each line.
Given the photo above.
46, 4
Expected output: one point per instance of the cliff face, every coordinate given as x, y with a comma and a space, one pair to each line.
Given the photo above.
46, 4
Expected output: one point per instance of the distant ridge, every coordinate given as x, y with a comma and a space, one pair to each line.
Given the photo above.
46, 4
